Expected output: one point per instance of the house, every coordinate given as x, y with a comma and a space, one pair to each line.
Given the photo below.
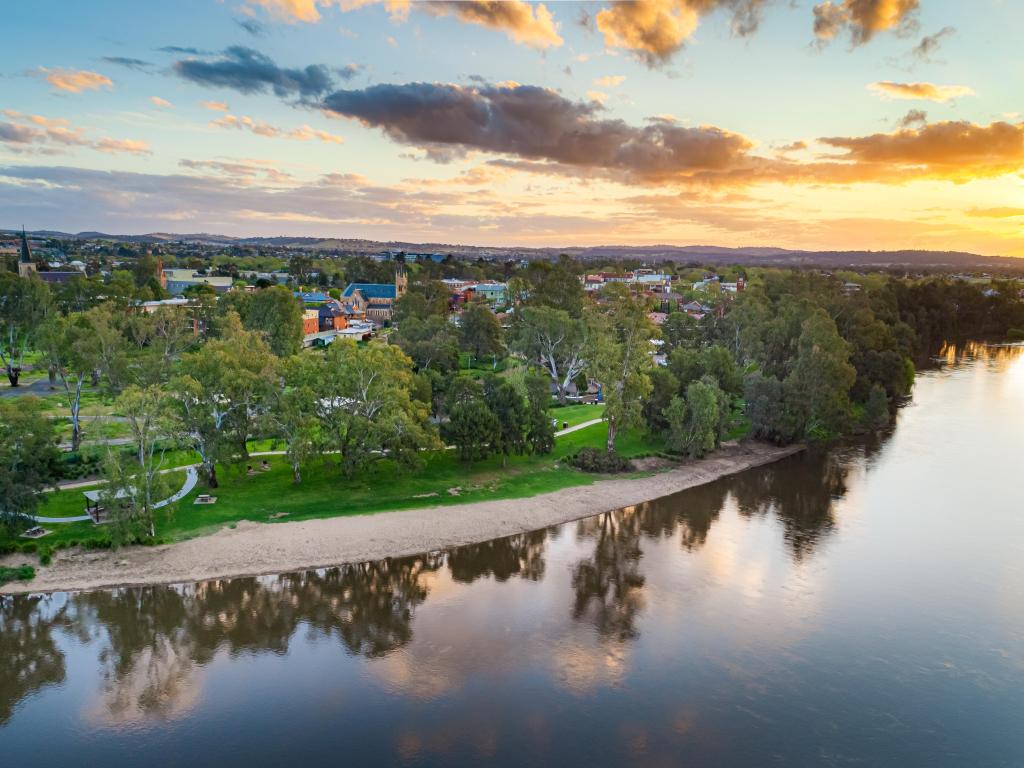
656, 283
493, 293
332, 315
695, 309
377, 300
310, 322
312, 297
179, 280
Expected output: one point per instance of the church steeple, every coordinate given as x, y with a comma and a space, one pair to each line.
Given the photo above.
26, 264
26, 250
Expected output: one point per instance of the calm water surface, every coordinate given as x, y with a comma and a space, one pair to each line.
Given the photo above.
859, 607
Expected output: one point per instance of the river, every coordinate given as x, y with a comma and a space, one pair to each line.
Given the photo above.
857, 606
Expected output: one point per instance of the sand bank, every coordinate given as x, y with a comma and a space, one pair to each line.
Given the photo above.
259, 548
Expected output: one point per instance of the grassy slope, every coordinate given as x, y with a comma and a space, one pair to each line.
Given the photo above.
325, 492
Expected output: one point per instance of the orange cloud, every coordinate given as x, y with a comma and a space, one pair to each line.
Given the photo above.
159, 102
260, 128
954, 150
654, 30
130, 146
920, 91
291, 10
308, 11
997, 213
74, 80
862, 18
524, 23
54, 135
610, 81
214, 106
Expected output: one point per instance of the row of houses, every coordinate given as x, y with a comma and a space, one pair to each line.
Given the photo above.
645, 279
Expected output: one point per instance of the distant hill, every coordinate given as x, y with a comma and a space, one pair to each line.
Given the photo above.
765, 255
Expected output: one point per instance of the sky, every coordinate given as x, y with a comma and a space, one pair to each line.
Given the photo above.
819, 124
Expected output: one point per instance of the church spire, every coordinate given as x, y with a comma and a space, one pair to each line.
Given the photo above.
26, 250
26, 265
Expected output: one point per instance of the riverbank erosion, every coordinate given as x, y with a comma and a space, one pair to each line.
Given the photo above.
251, 549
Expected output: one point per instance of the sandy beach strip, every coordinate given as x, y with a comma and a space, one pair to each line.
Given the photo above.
252, 549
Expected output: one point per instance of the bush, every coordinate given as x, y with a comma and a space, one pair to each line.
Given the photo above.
21, 573
1015, 334
45, 555
600, 462
78, 465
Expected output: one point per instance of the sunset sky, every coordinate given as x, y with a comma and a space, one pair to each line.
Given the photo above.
849, 124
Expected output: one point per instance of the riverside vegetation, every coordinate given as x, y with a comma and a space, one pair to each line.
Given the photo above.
362, 428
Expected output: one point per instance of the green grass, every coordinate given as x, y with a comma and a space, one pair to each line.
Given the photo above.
95, 428
20, 573
325, 492
577, 414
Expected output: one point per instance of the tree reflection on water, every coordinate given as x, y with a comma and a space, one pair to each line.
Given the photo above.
29, 657
154, 641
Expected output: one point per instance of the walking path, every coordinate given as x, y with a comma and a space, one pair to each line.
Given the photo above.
191, 479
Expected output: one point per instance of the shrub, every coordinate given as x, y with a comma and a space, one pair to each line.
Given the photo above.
600, 462
1015, 334
21, 573
45, 555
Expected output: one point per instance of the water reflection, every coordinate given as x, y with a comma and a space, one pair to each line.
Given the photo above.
154, 641
608, 585
519, 555
29, 656
581, 609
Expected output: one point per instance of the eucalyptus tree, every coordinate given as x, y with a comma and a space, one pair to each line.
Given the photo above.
25, 304
554, 340
29, 460
619, 360
224, 389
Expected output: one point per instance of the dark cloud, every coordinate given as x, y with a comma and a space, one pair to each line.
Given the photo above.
538, 125
16, 134
249, 71
349, 71
183, 50
252, 26
128, 63
930, 44
913, 117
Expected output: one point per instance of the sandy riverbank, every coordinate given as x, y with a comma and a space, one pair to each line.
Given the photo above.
257, 548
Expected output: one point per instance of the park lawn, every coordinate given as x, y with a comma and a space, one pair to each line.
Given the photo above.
577, 414
95, 428
325, 492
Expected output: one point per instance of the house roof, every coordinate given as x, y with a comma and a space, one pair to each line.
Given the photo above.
312, 298
372, 290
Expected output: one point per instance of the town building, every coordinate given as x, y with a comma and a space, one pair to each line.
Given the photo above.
27, 266
376, 300
178, 280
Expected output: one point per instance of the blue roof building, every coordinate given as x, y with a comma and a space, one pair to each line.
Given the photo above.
372, 290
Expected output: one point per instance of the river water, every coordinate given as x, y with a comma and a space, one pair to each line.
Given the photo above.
861, 606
